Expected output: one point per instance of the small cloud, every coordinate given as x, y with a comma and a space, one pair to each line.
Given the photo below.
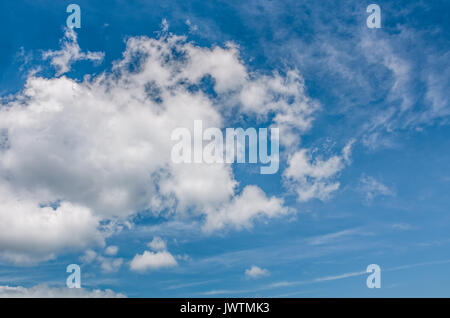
192, 27
157, 244
314, 177
183, 257
107, 264
402, 226
164, 26
70, 53
88, 257
152, 260
256, 272
111, 250
156, 259
372, 188
110, 265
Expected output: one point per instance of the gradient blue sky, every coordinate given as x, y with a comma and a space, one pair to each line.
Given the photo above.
386, 89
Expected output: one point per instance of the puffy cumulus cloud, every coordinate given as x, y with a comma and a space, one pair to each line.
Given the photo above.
101, 146
108, 263
81, 143
315, 178
152, 260
69, 53
285, 98
157, 259
197, 185
239, 213
44, 291
157, 244
111, 250
31, 231
88, 257
222, 64
256, 272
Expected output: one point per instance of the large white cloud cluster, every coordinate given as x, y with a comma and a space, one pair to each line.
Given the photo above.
74, 154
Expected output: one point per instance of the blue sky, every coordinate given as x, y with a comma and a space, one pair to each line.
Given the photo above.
381, 93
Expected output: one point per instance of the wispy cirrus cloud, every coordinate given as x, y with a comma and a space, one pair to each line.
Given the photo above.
371, 188
45, 291
70, 53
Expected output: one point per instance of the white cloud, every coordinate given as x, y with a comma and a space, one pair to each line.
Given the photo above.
30, 231
152, 261
332, 237
315, 178
198, 185
88, 257
407, 107
373, 188
44, 291
437, 86
381, 51
256, 272
110, 265
107, 264
158, 259
342, 276
70, 53
240, 212
111, 250
101, 146
157, 244
285, 97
